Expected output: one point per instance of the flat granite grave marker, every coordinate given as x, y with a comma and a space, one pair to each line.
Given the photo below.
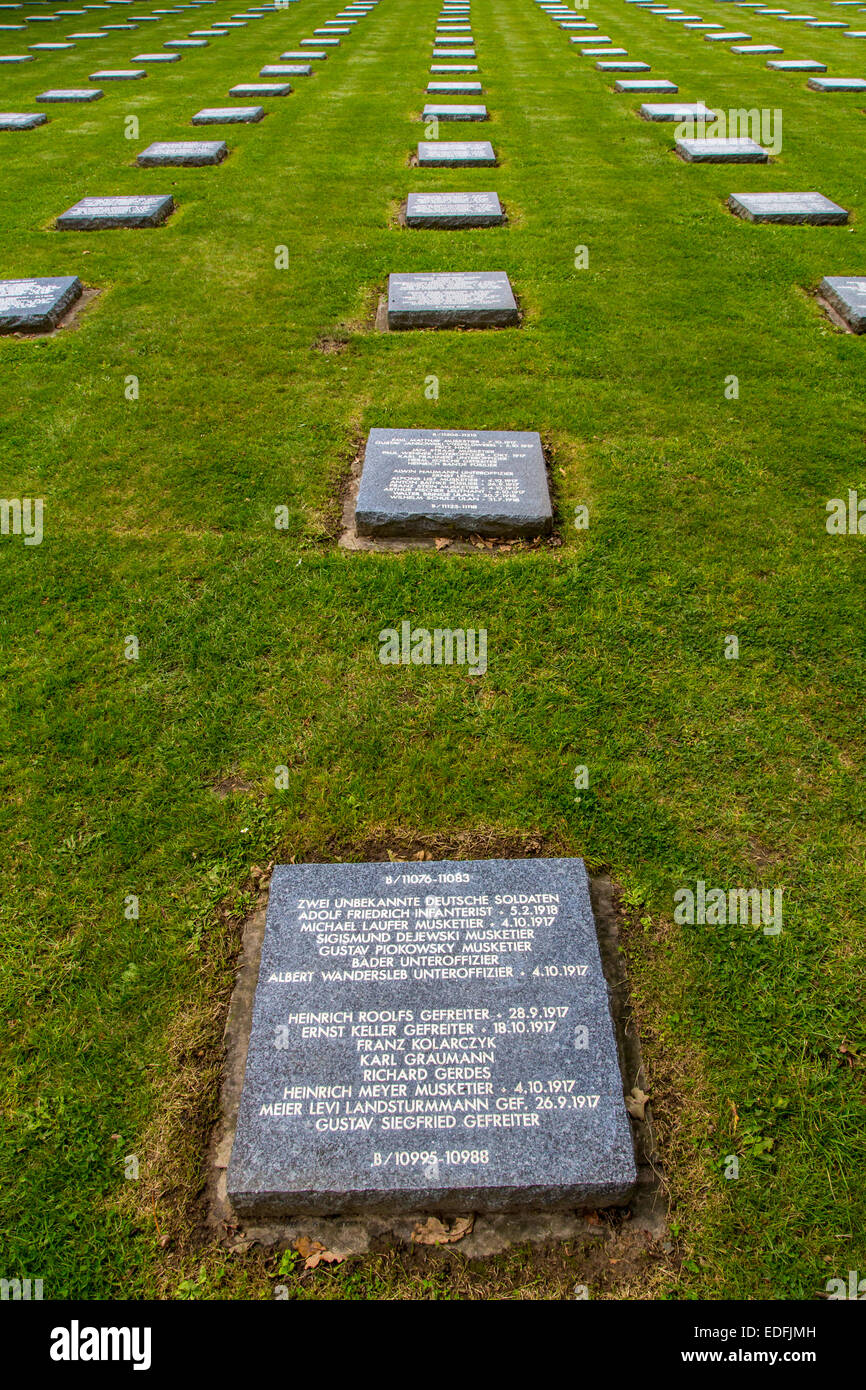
837, 84
432, 111
184, 153
261, 89
622, 67
157, 58
36, 306
451, 299
72, 94
98, 214
756, 48
847, 295
645, 84
454, 210
286, 70
117, 75
796, 65
417, 483
715, 150
676, 111
21, 120
480, 1016
228, 115
303, 57
446, 154
788, 208
455, 88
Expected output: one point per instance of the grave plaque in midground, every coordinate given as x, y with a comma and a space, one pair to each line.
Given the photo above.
451, 299
454, 153
430, 1037
454, 210
97, 214
453, 483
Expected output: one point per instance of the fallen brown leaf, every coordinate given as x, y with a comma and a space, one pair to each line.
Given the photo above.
635, 1103
315, 1253
435, 1232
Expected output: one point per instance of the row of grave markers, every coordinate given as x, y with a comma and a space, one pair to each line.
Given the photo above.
844, 296
39, 305
407, 1075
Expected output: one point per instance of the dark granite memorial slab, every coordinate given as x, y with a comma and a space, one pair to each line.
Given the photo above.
454, 210
451, 299
837, 84
97, 214
714, 150
21, 120
433, 111
71, 94
285, 70
261, 89
454, 154
847, 295
676, 111
458, 88
183, 153
453, 483
797, 65
36, 306
438, 1041
228, 115
789, 208
646, 84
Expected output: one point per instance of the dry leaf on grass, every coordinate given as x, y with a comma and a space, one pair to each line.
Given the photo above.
442, 542
314, 1253
635, 1103
435, 1232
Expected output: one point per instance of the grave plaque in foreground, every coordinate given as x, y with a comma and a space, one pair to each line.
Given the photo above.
36, 306
98, 214
451, 299
453, 483
847, 295
790, 208
433, 1040
21, 120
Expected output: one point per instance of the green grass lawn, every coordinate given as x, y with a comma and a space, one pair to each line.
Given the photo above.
258, 647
